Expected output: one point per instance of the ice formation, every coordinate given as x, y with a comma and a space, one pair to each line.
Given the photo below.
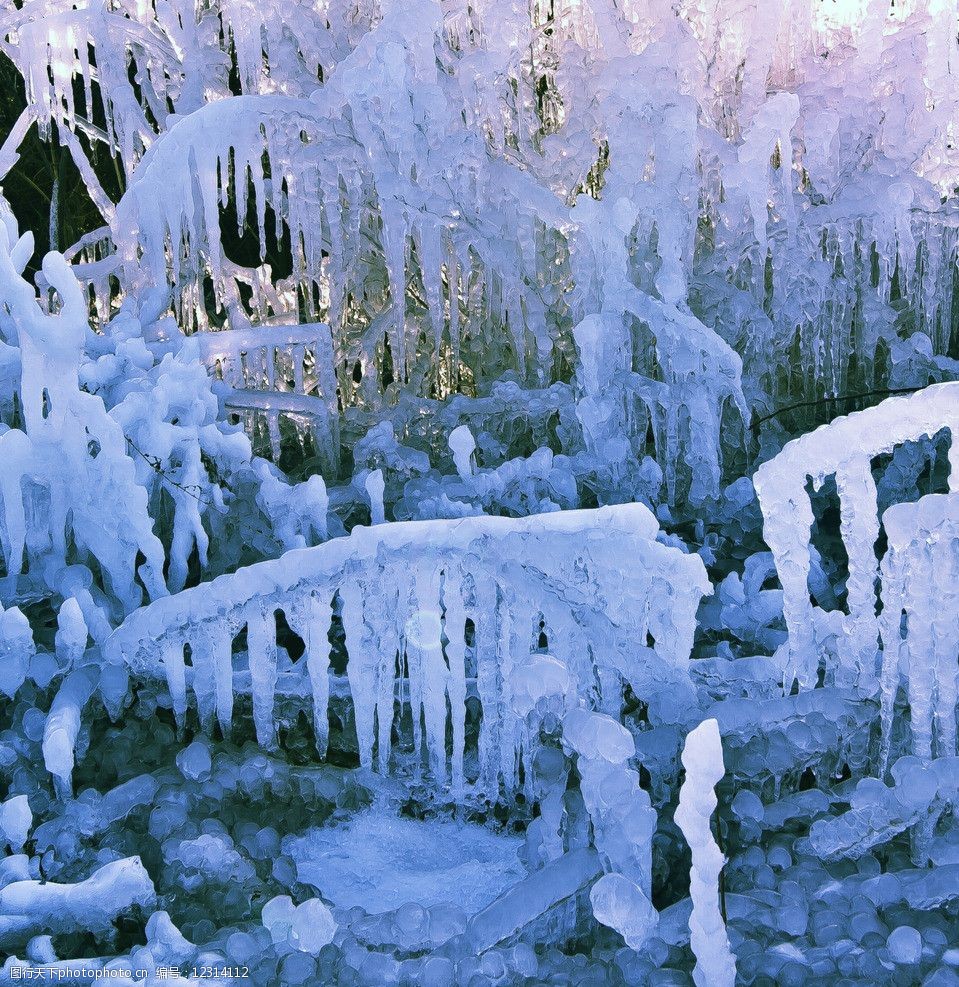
923, 552
478, 492
844, 448
703, 761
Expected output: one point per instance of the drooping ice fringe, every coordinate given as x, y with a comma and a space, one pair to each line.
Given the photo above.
703, 761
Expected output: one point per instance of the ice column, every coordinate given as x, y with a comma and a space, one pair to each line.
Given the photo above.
703, 761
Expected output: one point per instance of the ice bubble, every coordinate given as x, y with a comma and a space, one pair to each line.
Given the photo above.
424, 629
462, 445
597, 736
747, 805
542, 679
194, 761
277, 916
618, 903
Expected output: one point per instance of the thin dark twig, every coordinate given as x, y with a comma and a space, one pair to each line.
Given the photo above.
885, 392
157, 466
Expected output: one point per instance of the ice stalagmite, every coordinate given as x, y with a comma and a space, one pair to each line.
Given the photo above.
703, 760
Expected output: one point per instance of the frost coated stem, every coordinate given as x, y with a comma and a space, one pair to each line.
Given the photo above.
703, 761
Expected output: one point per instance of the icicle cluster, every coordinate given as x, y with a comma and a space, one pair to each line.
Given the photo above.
844, 448
923, 553
404, 594
649, 201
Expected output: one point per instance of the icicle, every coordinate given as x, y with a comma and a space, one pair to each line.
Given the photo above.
921, 661
508, 651
203, 658
859, 526
221, 644
62, 726
455, 630
430, 245
487, 680
453, 290
381, 618
374, 486
945, 629
71, 636
423, 634
273, 427
314, 617
175, 669
360, 668
261, 646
